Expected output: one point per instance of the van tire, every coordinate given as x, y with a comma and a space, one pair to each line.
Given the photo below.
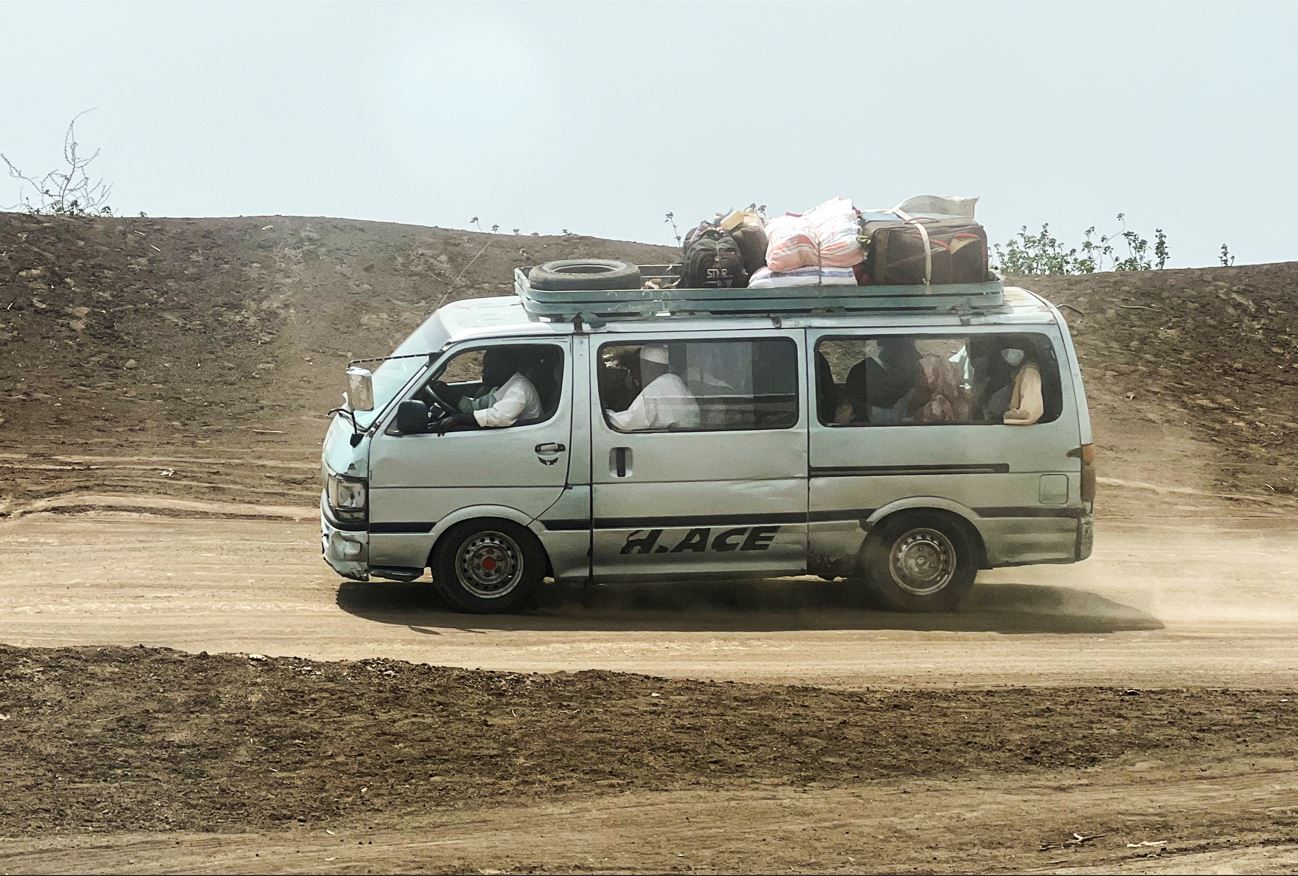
488, 566
577, 274
920, 562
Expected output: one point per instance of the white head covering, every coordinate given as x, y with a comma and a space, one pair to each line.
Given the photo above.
654, 353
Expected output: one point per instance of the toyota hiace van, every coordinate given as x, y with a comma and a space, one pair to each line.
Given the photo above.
841, 432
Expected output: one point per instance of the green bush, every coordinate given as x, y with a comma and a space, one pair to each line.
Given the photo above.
1043, 253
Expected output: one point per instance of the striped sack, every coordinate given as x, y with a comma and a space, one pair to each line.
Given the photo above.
765, 278
791, 244
837, 227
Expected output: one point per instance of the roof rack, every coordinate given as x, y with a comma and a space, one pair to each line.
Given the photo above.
656, 302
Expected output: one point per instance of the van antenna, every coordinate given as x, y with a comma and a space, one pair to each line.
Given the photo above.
451, 288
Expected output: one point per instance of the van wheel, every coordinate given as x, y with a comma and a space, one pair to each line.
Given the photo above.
575, 274
920, 562
487, 566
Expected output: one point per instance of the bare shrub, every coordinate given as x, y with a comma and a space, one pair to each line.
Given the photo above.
68, 190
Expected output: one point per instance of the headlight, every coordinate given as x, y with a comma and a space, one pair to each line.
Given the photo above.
346, 496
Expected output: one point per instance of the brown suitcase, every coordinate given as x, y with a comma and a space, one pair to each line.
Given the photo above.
894, 252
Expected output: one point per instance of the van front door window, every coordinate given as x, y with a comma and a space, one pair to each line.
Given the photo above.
495, 387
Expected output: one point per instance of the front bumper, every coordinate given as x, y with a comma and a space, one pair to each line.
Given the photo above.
345, 548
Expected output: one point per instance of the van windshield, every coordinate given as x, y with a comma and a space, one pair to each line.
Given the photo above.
393, 374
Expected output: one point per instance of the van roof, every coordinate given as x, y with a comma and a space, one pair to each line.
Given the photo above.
504, 316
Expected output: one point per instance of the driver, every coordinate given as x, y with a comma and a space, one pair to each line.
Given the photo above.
507, 396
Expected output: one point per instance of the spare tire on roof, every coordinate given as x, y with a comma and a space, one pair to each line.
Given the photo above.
572, 274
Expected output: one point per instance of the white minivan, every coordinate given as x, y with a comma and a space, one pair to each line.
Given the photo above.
871, 433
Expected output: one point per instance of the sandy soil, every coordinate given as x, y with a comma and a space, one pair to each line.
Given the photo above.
383, 765
1145, 696
1179, 602
1208, 819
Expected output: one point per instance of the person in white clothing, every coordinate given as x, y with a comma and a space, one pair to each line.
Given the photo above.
1025, 404
664, 403
509, 396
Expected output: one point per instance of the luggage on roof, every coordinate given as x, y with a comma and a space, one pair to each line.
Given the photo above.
927, 253
924, 239
924, 250
712, 259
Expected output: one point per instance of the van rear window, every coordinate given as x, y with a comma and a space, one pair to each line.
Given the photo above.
902, 380
699, 385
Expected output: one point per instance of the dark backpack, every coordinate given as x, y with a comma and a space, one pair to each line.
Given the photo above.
712, 260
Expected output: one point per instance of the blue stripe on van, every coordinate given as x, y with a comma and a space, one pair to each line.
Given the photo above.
849, 471
854, 514
1028, 511
567, 525
1003, 511
674, 522
420, 528
830, 516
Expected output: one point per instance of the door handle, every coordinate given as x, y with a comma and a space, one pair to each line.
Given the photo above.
619, 461
548, 453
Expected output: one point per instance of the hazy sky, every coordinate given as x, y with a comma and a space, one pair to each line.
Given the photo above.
600, 117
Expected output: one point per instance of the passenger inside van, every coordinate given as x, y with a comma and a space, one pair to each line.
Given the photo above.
506, 396
985, 379
1026, 405
939, 396
827, 395
851, 408
879, 387
665, 402
619, 377
991, 377
1006, 380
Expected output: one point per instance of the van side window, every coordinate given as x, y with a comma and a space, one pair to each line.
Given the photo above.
699, 385
475, 379
902, 380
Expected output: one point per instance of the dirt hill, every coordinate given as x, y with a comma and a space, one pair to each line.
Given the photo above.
1204, 355
227, 322
142, 355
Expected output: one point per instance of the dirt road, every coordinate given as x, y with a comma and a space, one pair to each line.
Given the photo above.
130, 761
1181, 602
921, 827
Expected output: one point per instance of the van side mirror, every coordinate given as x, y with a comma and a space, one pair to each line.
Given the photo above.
412, 417
360, 388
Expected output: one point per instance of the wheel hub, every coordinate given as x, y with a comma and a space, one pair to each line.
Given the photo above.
489, 565
922, 561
